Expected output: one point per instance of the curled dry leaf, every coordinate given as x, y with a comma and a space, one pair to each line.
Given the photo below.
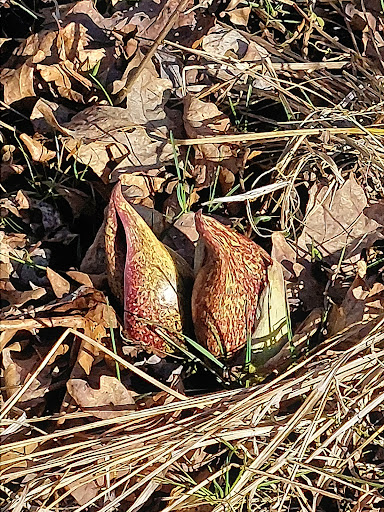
150, 17
7, 165
146, 100
19, 361
60, 113
301, 284
150, 280
227, 288
10, 246
61, 57
80, 277
140, 188
38, 152
238, 15
111, 400
17, 298
230, 46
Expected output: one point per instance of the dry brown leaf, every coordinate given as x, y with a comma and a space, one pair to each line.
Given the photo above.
336, 220
151, 16
146, 100
18, 80
301, 284
223, 43
17, 298
7, 165
230, 46
108, 137
83, 492
363, 302
201, 120
10, 245
59, 285
111, 400
19, 362
62, 57
38, 152
80, 277
238, 15
60, 112
138, 187
18, 83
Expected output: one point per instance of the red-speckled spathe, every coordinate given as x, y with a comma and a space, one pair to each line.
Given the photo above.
150, 280
227, 288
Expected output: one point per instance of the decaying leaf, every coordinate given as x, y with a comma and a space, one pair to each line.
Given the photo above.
151, 16
364, 301
145, 102
62, 57
108, 138
335, 221
298, 274
20, 361
111, 400
202, 119
7, 164
241, 54
17, 298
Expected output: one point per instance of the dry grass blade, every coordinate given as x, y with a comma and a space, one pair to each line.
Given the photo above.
264, 136
223, 417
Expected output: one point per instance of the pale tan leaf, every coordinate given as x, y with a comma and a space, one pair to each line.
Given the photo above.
272, 327
80, 277
59, 285
38, 152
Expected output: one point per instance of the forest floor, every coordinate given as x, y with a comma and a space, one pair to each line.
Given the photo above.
266, 116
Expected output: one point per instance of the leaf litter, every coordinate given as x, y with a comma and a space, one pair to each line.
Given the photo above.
269, 116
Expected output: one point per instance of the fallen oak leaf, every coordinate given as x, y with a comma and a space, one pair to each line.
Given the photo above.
80, 277
336, 222
17, 298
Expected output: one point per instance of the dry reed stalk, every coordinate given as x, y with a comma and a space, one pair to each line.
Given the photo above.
264, 136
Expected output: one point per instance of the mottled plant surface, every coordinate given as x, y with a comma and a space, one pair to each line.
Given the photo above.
192, 255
